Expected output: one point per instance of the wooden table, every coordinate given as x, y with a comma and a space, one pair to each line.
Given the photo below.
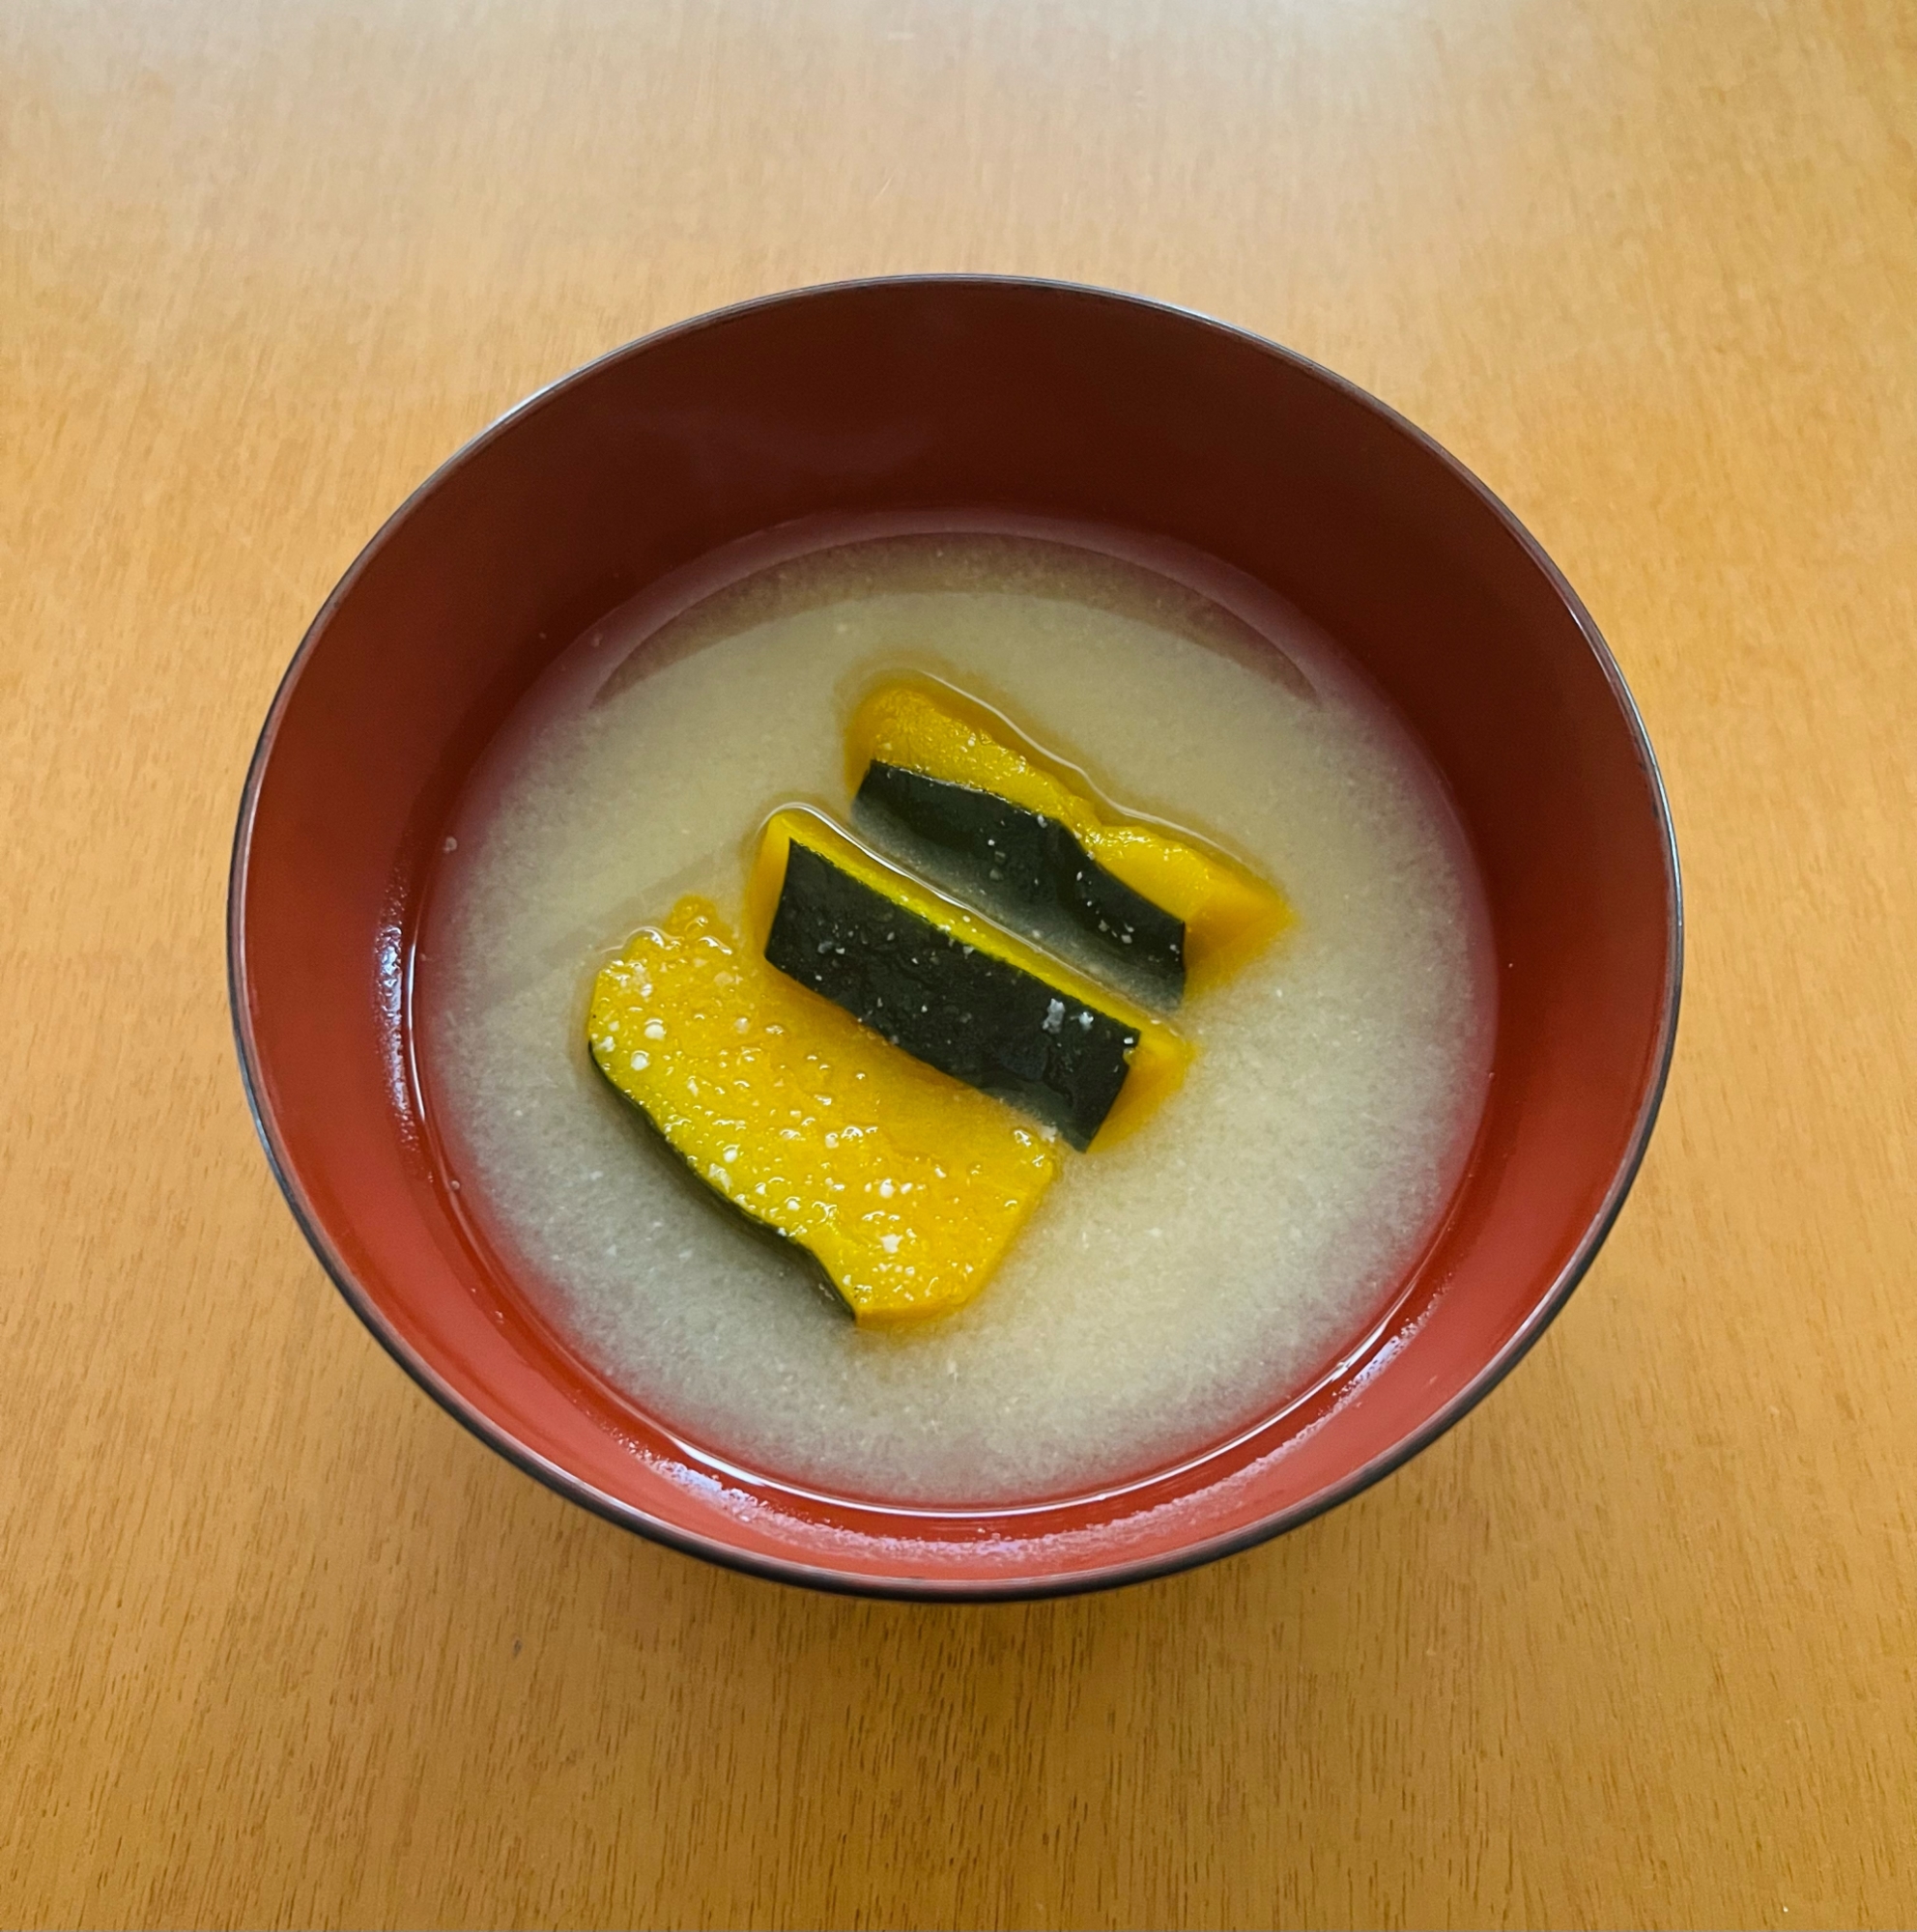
1635, 1645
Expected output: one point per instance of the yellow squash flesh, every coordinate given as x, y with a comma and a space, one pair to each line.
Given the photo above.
906, 1185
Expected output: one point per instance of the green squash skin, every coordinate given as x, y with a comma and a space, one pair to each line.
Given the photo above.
1029, 873
981, 1019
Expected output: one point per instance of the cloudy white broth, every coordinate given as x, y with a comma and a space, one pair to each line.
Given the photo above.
1167, 1290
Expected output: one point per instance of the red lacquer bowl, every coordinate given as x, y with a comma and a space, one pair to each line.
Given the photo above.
927, 396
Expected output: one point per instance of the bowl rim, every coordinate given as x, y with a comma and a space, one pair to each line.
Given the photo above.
933, 1588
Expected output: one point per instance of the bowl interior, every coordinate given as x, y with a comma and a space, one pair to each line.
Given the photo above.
971, 398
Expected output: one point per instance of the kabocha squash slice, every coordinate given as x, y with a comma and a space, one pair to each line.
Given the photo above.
951, 787
954, 990
884, 1077
906, 1185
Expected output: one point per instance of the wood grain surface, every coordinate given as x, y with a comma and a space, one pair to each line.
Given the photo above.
1635, 1645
